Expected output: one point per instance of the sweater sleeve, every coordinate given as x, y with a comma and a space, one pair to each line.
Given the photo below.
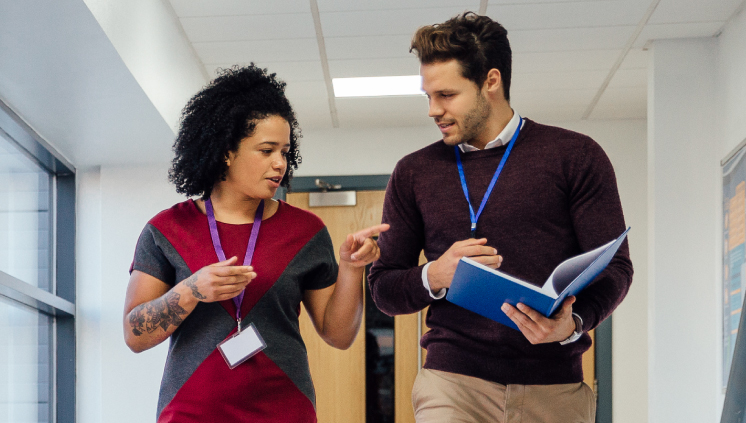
597, 218
395, 278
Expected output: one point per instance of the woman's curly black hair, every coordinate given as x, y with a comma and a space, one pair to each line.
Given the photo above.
217, 118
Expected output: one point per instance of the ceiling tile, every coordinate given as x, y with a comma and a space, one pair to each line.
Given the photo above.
287, 71
622, 103
551, 98
521, 16
679, 11
383, 22
310, 103
374, 67
683, 30
636, 58
249, 27
552, 114
383, 112
629, 78
186, 8
305, 49
386, 46
570, 39
500, 2
346, 5
312, 116
307, 90
563, 61
542, 81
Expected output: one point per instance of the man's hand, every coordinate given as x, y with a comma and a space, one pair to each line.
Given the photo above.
539, 329
440, 273
219, 281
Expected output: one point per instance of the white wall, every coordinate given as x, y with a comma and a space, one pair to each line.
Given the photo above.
697, 104
114, 204
61, 74
684, 215
732, 84
374, 152
731, 100
625, 142
88, 287
150, 40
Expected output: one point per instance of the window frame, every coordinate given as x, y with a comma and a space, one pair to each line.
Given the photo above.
60, 302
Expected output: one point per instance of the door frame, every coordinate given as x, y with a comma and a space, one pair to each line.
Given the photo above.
348, 183
603, 343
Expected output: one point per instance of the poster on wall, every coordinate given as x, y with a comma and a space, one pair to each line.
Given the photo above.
734, 250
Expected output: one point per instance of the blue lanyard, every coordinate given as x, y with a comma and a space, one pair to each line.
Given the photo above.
474, 217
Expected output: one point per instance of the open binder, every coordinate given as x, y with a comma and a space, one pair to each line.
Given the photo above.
483, 290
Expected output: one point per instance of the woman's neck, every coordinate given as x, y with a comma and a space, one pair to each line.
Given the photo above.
237, 209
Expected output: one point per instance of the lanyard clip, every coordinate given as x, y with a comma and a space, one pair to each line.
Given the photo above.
473, 230
239, 324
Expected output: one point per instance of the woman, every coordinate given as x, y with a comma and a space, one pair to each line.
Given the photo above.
232, 267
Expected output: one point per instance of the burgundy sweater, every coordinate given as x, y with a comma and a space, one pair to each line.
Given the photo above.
556, 197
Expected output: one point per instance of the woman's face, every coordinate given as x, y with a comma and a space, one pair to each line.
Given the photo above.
256, 169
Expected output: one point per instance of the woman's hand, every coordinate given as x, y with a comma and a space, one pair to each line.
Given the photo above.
336, 311
219, 281
153, 309
359, 249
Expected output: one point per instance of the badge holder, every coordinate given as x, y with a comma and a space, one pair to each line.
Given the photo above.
242, 346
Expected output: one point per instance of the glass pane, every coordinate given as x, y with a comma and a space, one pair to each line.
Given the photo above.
25, 218
25, 364
379, 362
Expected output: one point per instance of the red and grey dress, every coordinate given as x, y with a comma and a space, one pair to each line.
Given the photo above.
293, 253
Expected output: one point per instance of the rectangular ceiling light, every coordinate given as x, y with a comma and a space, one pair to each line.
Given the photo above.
378, 86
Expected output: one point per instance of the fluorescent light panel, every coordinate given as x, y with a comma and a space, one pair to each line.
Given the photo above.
378, 86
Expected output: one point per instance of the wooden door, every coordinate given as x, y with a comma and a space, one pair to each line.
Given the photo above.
339, 376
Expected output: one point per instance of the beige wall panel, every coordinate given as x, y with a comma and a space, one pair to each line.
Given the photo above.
339, 376
589, 363
406, 348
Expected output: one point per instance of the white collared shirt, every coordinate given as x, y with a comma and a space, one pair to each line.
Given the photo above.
503, 138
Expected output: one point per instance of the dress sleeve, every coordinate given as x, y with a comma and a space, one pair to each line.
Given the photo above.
597, 217
150, 259
323, 269
395, 278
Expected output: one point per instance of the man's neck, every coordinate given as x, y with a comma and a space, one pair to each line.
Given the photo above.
498, 120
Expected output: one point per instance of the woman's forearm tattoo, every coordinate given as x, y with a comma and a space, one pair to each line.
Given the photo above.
161, 312
191, 282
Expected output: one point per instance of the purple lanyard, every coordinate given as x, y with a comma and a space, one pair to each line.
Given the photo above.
249, 248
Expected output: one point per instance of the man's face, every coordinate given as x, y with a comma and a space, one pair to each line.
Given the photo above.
456, 104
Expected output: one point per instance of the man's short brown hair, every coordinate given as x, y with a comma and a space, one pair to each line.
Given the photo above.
477, 42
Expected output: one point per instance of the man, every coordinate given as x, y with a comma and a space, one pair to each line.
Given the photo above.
555, 197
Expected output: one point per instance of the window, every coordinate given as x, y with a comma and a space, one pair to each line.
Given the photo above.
37, 286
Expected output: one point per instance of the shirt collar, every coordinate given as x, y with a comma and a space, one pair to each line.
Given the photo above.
502, 138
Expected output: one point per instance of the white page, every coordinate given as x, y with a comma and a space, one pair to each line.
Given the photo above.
569, 269
504, 275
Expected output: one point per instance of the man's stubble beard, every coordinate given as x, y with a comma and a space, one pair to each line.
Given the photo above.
475, 119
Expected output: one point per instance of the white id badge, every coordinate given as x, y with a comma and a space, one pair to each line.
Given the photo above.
242, 346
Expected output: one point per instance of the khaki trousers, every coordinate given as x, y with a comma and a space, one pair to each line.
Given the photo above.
448, 397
